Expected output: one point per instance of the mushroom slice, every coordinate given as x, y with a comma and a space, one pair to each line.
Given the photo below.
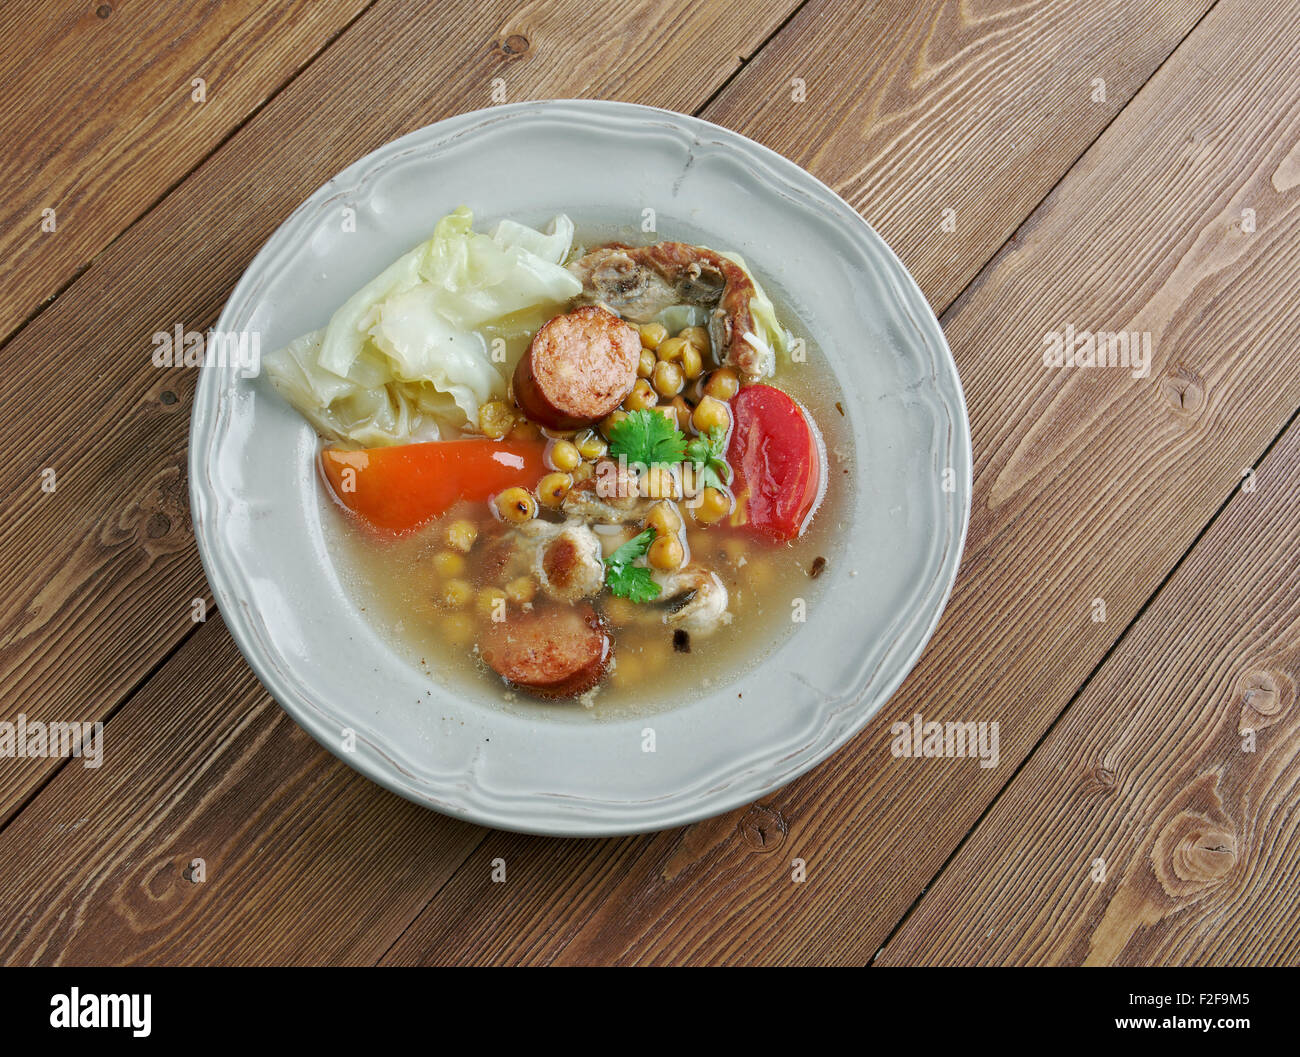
694, 599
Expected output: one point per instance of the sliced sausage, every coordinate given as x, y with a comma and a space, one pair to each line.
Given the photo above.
578, 368
557, 652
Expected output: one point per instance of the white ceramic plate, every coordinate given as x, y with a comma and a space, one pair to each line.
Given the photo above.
258, 511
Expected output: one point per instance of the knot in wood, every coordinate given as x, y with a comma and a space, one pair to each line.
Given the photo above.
1184, 389
763, 828
1194, 852
1264, 694
515, 45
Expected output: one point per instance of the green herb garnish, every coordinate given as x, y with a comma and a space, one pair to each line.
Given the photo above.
647, 437
630, 581
708, 453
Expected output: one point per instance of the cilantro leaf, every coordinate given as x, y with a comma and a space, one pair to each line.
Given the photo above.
630, 581
708, 453
633, 582
647, 437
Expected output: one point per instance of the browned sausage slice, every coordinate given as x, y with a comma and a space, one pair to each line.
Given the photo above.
556, 652
578, 368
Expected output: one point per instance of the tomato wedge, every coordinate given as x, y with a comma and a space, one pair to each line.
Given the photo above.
398, 489
777, 459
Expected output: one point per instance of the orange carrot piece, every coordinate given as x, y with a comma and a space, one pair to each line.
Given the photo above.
400, 488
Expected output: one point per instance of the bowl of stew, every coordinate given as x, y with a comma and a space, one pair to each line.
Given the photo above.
592, 502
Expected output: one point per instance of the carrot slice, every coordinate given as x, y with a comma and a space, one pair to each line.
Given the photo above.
400, 488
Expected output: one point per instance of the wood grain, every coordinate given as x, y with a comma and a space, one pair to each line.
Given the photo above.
719, 886
113, 543
209, 768
1149, 828
1089, 484
903, 102
100, 117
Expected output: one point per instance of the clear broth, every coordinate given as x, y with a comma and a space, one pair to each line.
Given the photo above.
396, 585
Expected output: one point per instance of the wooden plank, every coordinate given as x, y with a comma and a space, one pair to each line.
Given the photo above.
1089, 484
904, 102
478, 924
186, 775
762, 827
1149, 828
82, 398
101, 115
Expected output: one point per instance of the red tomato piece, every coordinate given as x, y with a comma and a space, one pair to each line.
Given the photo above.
777, 459
398, 489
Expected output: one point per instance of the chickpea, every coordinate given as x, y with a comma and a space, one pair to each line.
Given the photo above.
491, 604
458, 629
758, 573
627, 670
714, 505
666, 553
667, 379
461, 535
658, 482
647, 365
584, 471
642, 397
457, 593
564, 455
697, 336
620, 611
710, 413
671, 349
611, 420
495, 419
722, 384
448, 563
652, 334
521, 591
614, 480
590, 444
552, 489
681, 412
664, 519
692, 362
525, 430
516, 505
734, 549
667, 411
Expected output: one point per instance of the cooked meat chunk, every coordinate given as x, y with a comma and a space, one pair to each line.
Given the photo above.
640, 282
694, 600
569, 567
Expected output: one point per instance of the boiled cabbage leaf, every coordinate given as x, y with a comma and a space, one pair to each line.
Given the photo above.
411, 349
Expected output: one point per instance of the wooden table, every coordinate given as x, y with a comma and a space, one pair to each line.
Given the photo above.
1128, 608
